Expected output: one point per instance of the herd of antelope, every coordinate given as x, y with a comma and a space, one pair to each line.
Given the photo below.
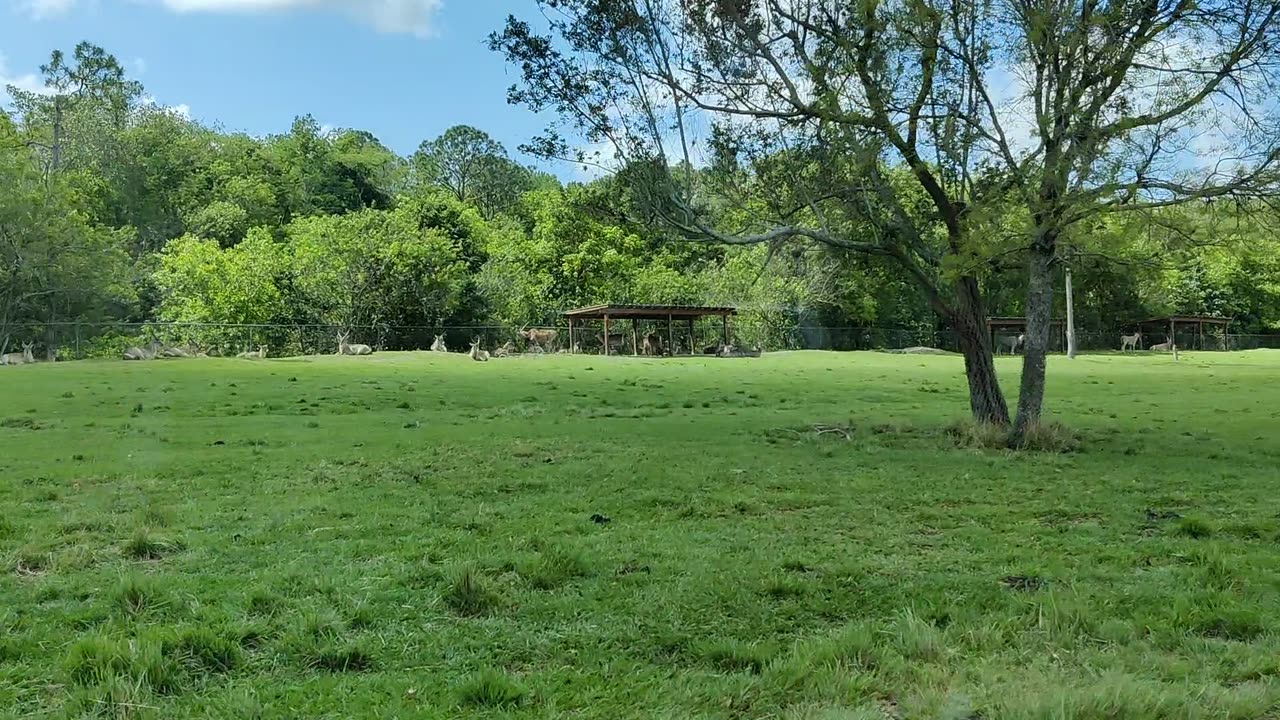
1012, 343
1134, 342
538, 341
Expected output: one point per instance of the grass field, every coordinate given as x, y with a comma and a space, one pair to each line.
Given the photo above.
412, 536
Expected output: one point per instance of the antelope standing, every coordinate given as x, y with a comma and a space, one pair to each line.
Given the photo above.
476, 353
438, 345
544, 339
1131, 342
653, 345
614, 340
1011, 342
147, 353
23, 358
259, 354
345, 348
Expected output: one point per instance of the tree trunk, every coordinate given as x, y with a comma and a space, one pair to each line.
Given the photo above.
1039, 310
986, 401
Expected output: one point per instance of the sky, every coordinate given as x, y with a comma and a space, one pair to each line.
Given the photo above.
404, 70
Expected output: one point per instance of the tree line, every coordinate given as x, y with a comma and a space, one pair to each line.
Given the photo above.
898, 205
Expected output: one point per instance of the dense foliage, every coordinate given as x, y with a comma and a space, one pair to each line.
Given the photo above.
113, 209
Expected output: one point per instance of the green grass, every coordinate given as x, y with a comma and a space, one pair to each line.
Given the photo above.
806, 535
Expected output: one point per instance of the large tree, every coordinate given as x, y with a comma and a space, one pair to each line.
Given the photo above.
474, 167
71, 126
899, 128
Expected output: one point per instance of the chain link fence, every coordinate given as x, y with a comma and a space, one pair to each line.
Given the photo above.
75, 341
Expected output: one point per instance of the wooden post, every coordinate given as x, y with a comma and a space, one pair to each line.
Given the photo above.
692, 349
572, 345
671, 337
1173, 337
606, 335
635, 336
1071, 319
1201, 335
724, 329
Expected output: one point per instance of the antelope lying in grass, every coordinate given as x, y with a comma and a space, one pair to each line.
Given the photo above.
438, 345
1010, 342
189, 350
345, 348
542, 339
476, 353
147, 353
19, 358
259, 354
1162, 347
505, 351
1130, 342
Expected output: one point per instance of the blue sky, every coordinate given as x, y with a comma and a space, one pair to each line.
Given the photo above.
404, 70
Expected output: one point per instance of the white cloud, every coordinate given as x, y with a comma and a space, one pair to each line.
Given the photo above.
30, 82
44, 9
139, 66
391, 16
182, 110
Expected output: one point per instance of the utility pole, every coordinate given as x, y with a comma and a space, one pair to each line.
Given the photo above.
1071, 318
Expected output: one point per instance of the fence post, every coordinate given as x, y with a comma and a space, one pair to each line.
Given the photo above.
79, 354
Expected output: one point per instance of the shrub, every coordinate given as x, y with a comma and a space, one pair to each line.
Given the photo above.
1194, 527
490, 688
137, 594
468, 594
554, 567
146, 546
969, 433
1049, 437
94, 661
336, 657
202, 650
737, 656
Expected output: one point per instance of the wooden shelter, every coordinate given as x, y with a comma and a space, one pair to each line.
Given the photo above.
1170, 323
658, 313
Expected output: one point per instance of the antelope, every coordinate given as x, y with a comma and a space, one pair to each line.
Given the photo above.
1010, 342
187, 351
476, 353
614, 340
542, 338
23, 358
1162, 347
345, 348
505, 350
147, 353
259, 354
652, 345
438, 345
1131, 342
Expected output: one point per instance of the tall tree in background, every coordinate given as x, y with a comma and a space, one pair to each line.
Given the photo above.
84, 100
895, 128
474, 167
